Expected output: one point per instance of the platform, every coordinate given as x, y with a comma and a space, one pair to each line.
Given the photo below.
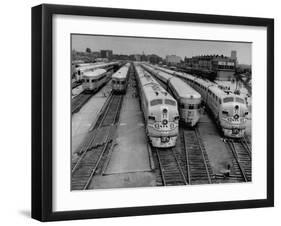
82, 120
130, 153
214, 145
129, 164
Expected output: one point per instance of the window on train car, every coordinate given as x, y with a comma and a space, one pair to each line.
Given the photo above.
239, 100
228, 99
156, 102
170, 102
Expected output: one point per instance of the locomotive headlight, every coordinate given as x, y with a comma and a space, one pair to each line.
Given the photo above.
165, 111
236, 117
156, 125
172, 125
165, 122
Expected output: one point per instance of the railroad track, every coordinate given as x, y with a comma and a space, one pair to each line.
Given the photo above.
170, 168
97, 145
75, 84
197, 164
79, 101
242, 166
247, 145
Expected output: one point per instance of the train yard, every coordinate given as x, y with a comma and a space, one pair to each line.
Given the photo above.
116, 147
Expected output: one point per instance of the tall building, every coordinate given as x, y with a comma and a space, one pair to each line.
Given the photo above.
137, 57
233, 55
143, 57
173, 59
106, 54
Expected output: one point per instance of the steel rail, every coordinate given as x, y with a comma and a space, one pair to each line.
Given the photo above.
98, 161
203, 155
195, 158
179, 166
232, 147
164, 171
84, 150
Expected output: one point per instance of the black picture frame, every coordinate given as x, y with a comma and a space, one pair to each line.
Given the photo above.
42, 111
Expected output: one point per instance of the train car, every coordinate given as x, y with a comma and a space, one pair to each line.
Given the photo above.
229, 109
120, 79
81, 69
189, 100
160, 110
94, 80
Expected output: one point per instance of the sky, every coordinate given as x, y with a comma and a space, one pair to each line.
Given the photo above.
162, 47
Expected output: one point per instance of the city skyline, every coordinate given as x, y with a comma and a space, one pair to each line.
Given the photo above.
158, 46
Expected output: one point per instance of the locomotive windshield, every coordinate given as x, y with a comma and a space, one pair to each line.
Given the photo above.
228, 99
156, 102
170, 102
239, 100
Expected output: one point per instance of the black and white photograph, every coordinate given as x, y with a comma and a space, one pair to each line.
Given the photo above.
149, 112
